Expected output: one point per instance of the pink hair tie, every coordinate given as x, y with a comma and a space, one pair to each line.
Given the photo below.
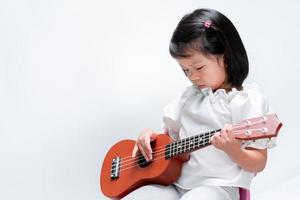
207, 24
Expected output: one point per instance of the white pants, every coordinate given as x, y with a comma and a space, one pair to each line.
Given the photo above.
150, 192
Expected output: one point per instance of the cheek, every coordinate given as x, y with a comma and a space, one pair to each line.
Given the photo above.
221, 73
223, 76
218, 77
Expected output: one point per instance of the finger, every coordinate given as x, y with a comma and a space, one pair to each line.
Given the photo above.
218, 135
227, 127
141, 148
153, 136
223, 130
184, 157
219, 139
215, 138
134, 151
226, 132
231, 135
212, 138
214, 141
225, 136
148, 149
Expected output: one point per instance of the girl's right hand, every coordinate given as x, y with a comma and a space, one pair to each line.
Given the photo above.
142, 144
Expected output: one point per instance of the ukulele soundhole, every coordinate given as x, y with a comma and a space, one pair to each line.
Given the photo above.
142, 162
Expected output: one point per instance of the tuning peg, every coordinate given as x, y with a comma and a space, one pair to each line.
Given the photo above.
248, 132
264, 119
264, 130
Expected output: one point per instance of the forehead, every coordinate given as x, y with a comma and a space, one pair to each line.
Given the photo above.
195, 58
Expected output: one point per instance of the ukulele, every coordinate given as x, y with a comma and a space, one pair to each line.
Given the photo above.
121, 173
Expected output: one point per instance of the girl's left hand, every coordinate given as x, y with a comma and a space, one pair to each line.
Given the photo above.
226, 141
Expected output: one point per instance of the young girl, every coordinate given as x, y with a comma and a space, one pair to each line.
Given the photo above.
211, 54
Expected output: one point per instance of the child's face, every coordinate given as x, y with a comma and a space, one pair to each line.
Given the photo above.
205, 71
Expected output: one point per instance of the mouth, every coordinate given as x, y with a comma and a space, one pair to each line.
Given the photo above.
201, 86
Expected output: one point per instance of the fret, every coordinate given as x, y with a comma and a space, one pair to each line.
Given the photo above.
173, 149
182, 146
189, 144
167, 151
179, 147
185, 145
195, 142
206, 139
176, 147
202, 140
199, 140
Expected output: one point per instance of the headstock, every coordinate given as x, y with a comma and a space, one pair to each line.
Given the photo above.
266, 126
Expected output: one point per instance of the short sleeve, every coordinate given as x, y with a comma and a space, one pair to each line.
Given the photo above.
172, 111
248, 104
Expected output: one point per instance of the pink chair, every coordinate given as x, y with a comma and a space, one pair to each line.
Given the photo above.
244, 194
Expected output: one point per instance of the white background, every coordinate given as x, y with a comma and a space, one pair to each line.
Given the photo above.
77, 76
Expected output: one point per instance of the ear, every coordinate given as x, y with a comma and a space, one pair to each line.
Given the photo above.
221, 60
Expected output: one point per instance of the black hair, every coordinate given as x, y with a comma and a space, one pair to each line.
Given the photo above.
210, 32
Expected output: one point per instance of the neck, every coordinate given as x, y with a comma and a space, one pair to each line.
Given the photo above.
189, 144
226, 86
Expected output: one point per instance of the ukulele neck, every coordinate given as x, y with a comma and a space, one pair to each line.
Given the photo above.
189, 144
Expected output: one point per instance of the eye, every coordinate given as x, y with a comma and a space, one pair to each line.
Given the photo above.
199, 68
186, 71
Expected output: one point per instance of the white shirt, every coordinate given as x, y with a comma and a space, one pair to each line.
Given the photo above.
198, 111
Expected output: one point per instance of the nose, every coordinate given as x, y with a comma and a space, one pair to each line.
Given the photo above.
193, 76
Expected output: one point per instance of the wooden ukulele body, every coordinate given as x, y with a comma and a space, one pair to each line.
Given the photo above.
160, 170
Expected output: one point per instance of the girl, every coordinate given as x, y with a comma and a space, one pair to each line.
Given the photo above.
211, 54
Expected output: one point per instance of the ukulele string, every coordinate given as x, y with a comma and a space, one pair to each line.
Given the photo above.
157, 154
162, 146
159, 149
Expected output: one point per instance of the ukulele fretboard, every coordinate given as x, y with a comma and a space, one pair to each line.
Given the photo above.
189, 144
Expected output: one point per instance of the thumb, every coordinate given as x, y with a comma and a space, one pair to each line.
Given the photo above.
153, 136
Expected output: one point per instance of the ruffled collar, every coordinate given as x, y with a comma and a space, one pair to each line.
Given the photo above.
221, 93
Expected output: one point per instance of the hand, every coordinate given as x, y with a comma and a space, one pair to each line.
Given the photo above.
143, 144
226, 141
